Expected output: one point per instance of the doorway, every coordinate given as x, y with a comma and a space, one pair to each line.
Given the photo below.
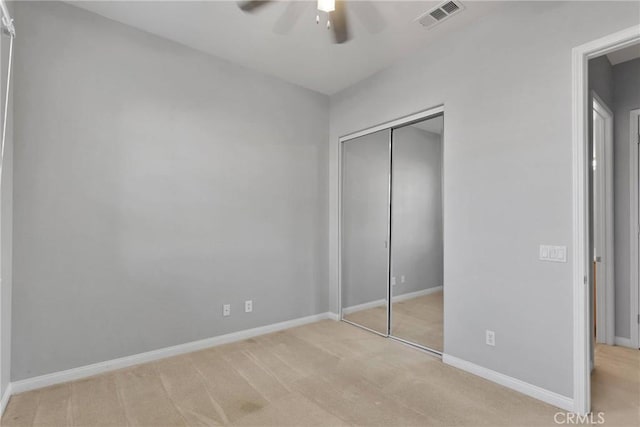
584, 315
613, 227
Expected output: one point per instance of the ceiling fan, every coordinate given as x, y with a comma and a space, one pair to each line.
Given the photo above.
335, 10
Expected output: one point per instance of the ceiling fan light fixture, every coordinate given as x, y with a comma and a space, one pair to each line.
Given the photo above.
327, 5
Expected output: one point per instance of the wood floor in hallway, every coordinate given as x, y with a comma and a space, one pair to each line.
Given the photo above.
326, 373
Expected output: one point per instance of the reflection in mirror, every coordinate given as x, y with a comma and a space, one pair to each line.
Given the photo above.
364, 230
417, 239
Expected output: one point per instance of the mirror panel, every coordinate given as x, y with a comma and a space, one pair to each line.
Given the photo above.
364, 230
417, 234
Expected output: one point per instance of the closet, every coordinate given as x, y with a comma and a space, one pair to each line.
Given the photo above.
391, 231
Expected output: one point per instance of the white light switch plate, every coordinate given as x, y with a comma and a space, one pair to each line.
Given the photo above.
553, 253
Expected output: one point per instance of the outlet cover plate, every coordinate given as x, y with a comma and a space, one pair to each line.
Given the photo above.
491, 338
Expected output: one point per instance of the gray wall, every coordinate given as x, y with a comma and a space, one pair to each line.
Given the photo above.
153, 184
600, 79
626, 97
417, 210
508, 182
6, 225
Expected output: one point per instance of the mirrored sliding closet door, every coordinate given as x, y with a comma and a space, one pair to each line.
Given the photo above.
391, 230
417, 234
365, 230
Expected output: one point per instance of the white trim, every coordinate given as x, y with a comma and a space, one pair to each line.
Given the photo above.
150, 356
416, 294
581, 327
397, 298
534, 391
364, 306
5, 398
603, 229
395, 123
333, 316
3, 403
634, 229
623, 342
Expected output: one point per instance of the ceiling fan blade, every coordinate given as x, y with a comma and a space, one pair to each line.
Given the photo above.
339, 22
291, 14
252, 5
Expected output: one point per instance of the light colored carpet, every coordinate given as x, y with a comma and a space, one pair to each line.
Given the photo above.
326, 373
373, 318
418, 320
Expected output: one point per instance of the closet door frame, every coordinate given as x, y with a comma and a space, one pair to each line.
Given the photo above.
390, 125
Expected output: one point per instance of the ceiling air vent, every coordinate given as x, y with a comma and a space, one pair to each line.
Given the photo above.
439, 13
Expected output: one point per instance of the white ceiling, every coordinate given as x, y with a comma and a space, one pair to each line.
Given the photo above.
304, 54
624, 55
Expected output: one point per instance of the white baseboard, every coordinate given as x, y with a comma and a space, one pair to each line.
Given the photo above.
136, 359
623, 342
416, 294
397, 298
333, 316
365, 306
531, 390
5, 398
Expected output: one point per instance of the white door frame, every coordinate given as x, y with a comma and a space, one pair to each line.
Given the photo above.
634, 227
581, 263
603, 229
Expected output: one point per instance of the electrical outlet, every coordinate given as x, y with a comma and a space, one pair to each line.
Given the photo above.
402, 279
226, 310
248, 306
491, 338
393, 281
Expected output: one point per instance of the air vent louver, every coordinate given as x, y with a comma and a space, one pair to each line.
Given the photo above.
450, 7
439, 13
